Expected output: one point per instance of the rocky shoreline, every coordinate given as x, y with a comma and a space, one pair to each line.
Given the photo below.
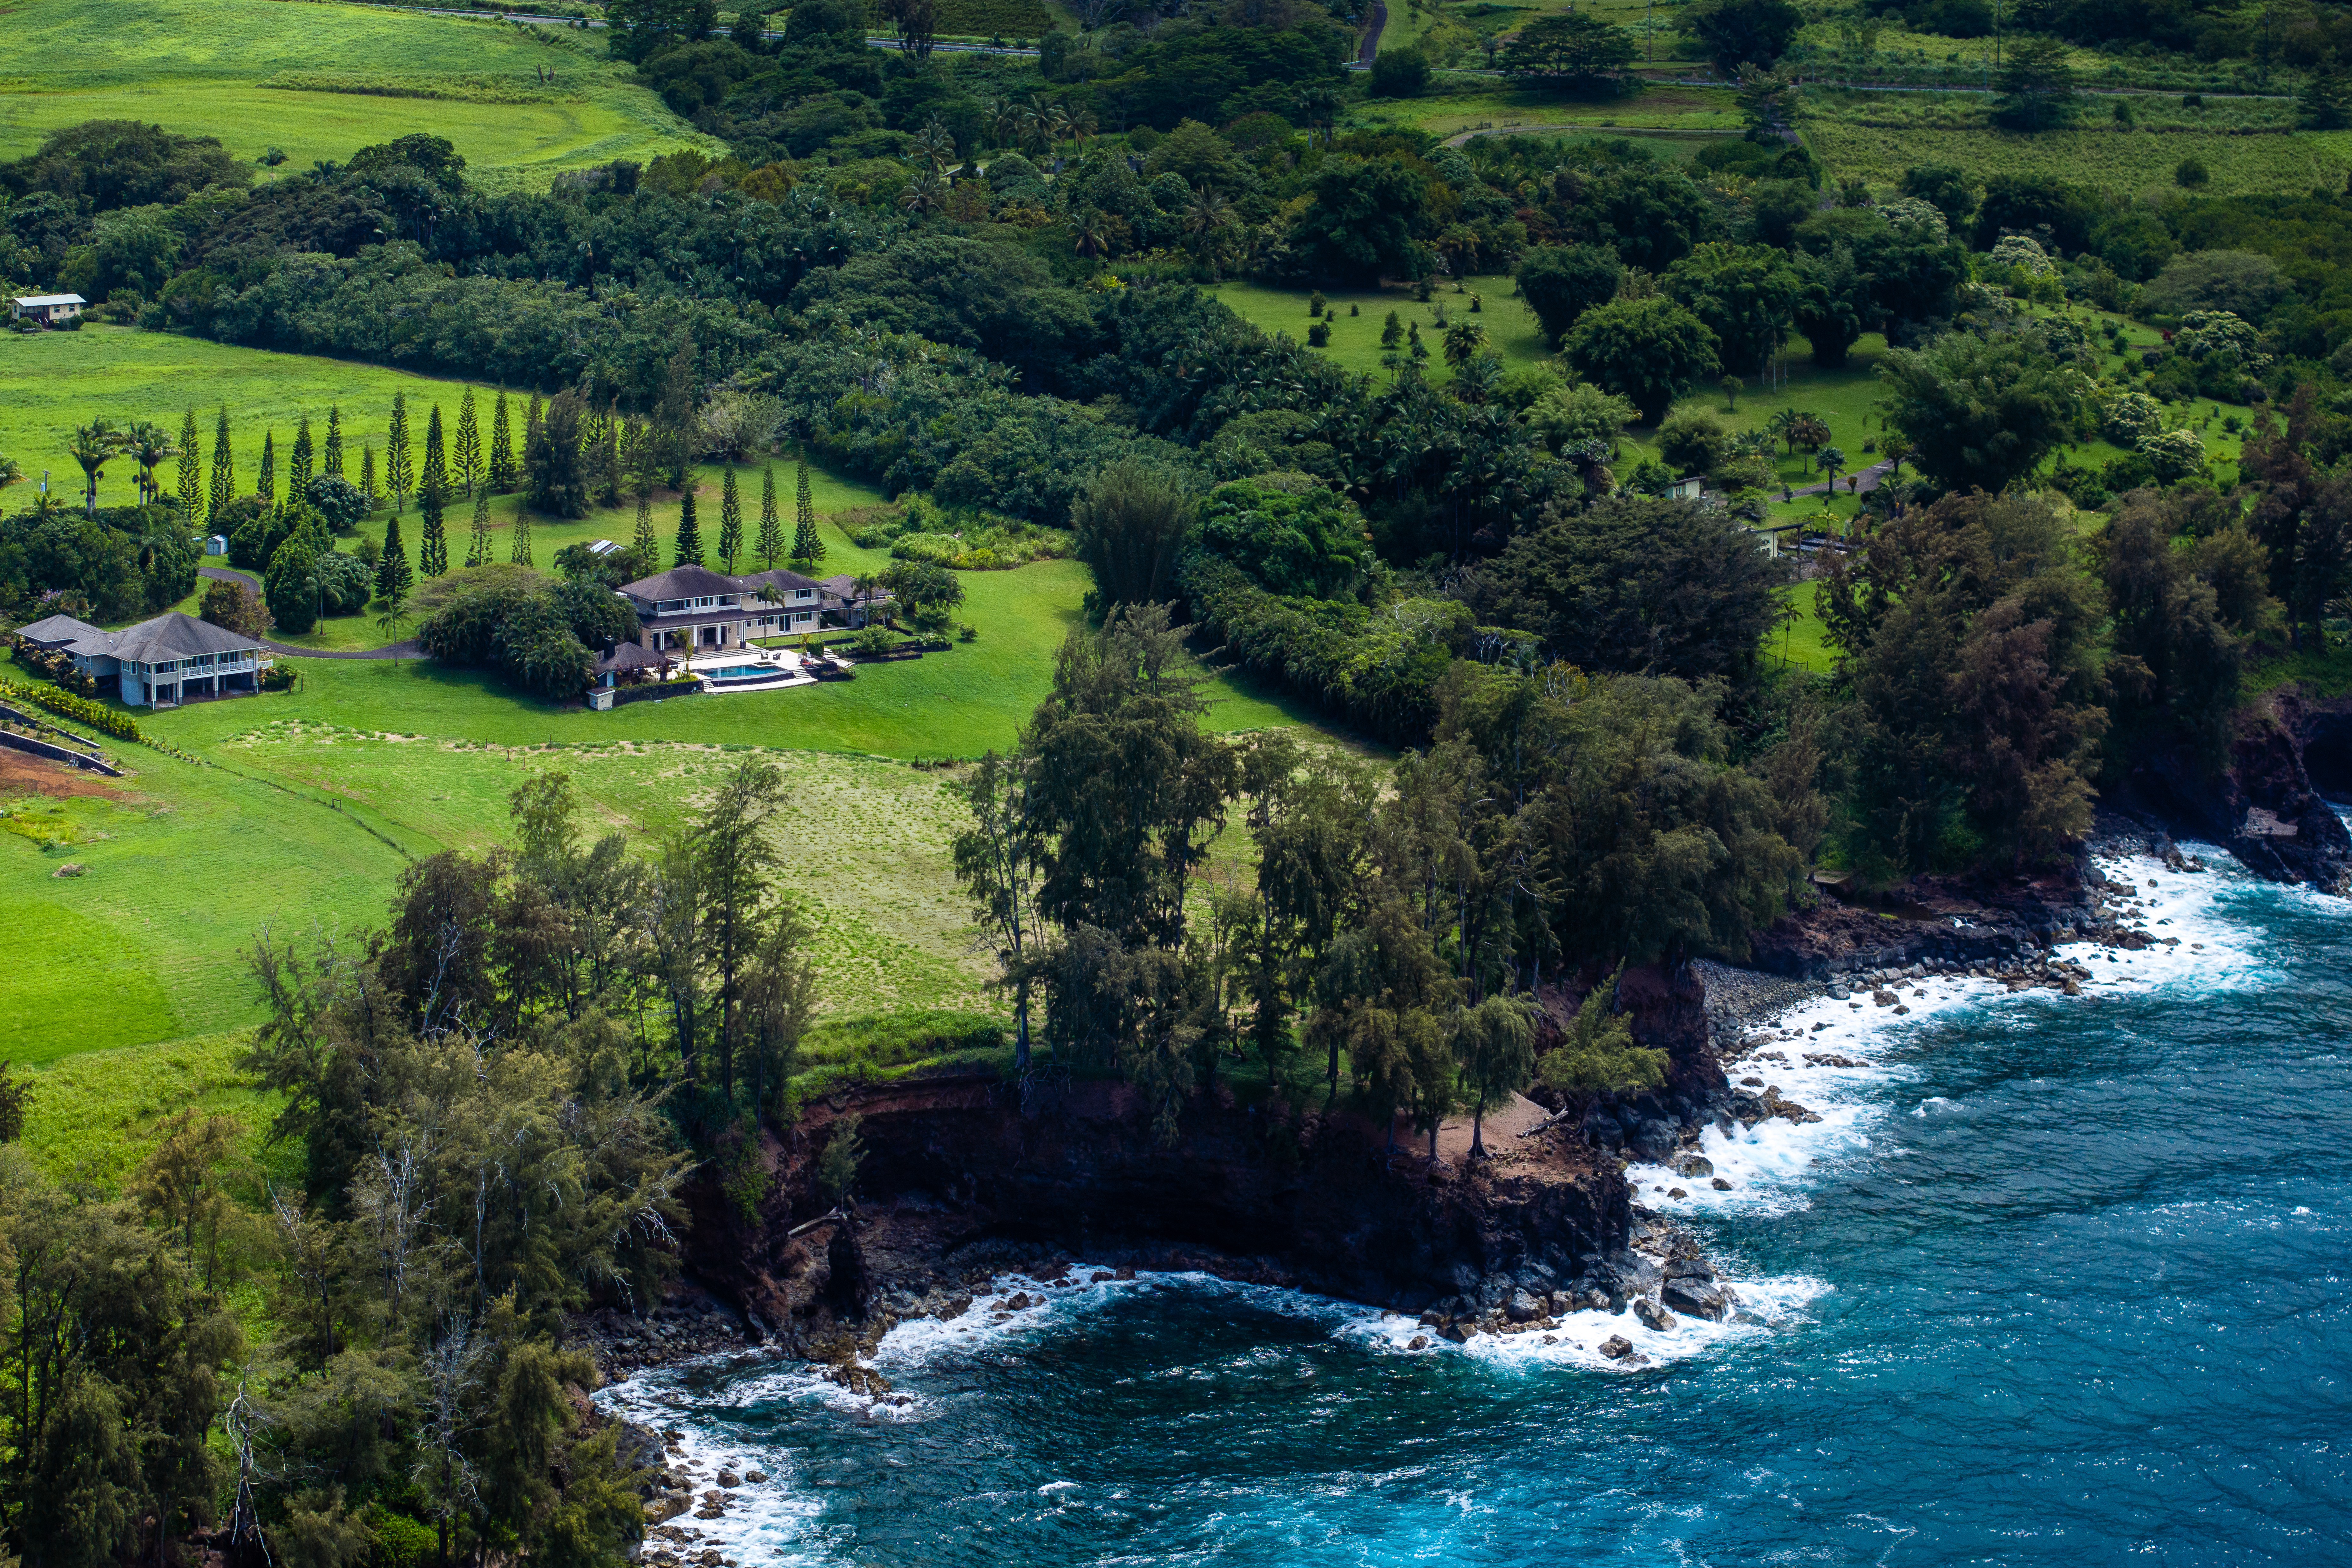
1510, 1249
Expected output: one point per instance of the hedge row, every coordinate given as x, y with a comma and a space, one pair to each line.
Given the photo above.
1378, 670
81, 710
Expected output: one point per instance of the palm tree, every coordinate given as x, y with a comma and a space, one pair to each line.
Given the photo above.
1830, 460
1810, 432
926, 193
1208, 216
93, 443
12, 472
149, 444
1784, 425
1082, 125
1057, 125
1092, 232
936, 143
863, 586
1462, 341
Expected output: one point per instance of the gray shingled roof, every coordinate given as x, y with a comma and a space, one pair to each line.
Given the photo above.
176, 636
682, 582
65, 631
780, 578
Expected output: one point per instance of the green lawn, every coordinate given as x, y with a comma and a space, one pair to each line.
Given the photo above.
201, 68
2101, 154
51, 382
181, 870
1458, 104
1511, 327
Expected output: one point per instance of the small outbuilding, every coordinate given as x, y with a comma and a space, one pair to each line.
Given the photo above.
47, 309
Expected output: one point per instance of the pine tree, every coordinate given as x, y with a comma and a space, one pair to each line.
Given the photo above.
477, 547
689, 537
223, 470
609, 478
465, 457
731, 519
331, 460
433, 486
649, 546
771, 527
393, 575
266, 486
522, 556
192, 468
505, 472
300, 466
367, 475
533, 420
399, 463
808, 547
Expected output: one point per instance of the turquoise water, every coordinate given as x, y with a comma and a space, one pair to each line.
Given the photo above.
2055, 1281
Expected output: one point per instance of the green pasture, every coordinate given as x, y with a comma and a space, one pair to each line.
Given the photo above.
201, 68
2098, 153
1511, 328
96, 1114
52, 383
1460, 103
180, 869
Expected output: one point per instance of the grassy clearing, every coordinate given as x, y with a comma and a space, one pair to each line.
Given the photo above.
96, 1115
2112, 159
182, 865
198, 67
1511, 327
1460, 103
51, 382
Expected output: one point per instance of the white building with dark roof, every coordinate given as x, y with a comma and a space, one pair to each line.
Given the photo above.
688, 608
170, 659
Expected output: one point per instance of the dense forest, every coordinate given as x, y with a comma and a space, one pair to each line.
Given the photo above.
938, 275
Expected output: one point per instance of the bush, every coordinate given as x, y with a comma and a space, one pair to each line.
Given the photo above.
1399, 73
81, 710
1381, 673
1693, 443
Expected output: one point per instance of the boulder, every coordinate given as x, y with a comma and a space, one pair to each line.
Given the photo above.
1616, 1347
1696, 1298
1523, 1308
1720, 1185
1418, 1342
1652, 1316
1693, 1165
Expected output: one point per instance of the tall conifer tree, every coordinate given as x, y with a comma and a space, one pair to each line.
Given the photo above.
367, 475
302, 464
432, 491
772, 526
731, 519
465, 456
393, 575
192, 468
808, 547
330, 459
522, 553
645, 542
266, 486
399, 461
505, 472
478, 546
223, 470
690, 534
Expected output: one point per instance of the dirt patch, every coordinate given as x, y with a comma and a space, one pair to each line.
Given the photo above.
22, 773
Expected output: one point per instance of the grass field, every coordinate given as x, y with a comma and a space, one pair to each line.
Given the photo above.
199, 67
1459, 102
1511, 328
2124, 162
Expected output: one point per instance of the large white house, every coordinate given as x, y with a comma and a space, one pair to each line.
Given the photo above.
170, 659
691, 607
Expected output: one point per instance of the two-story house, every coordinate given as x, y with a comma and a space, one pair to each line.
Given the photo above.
691, 608
170, 659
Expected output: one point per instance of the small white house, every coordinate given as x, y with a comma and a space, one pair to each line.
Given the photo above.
46, 309
1688, 487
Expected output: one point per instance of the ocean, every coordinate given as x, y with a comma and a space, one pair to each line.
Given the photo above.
2054, 1280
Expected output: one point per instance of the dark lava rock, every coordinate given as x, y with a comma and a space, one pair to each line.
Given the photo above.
1697, 1298
1652, 1316
1616, 1347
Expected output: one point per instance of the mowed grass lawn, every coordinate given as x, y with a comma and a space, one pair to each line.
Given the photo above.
1512, 329
181, 865
199, 67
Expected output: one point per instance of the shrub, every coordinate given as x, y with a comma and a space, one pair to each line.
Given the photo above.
81, 710
1693, 443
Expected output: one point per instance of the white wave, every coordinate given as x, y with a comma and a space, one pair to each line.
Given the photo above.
1765, 1306
1770, 1165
